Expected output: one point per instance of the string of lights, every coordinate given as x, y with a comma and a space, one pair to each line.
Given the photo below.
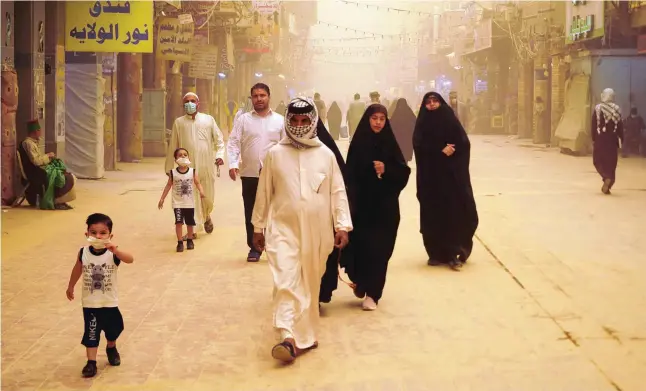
336, 26
380, 7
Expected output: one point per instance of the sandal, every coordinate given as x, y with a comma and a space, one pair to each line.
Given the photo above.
185, 237
455, 264
253, 256
284, 351
208, 226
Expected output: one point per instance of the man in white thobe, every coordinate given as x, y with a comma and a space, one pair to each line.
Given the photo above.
200, 136
300, 195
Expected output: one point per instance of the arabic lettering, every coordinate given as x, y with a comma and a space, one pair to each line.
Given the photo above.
581, 27
111, 32
97, 9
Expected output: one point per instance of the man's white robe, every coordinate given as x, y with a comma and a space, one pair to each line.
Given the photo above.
203, 140
300, 195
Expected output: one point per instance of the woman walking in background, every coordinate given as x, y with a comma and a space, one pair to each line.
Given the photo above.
448, 215
607, 133
376, 174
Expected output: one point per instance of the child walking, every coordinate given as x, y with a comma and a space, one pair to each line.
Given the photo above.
98, 263
181, 180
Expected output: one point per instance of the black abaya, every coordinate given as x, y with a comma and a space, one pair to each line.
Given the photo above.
448, 215
329, 280
605, 152
403, 124
334, 117
374, 203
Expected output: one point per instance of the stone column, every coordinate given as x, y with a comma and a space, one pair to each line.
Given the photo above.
30, 63
129, 107
55, 78
203, 89
175, 108
10, 174
525, 99
560, 71
541, 108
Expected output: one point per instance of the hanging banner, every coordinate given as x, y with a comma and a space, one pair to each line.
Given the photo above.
174, 40
101, 26
204, 62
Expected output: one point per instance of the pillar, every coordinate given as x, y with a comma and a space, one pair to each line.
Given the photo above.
109, 72
9, 80
560, 70
30, 63
541, 120
175, 107
129, 107
203, 89
525, 99
55, 78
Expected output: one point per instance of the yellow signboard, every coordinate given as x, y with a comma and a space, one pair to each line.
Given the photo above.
109, 26
175, 40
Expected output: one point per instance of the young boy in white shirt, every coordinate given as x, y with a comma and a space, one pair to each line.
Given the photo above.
98, 264
182, 180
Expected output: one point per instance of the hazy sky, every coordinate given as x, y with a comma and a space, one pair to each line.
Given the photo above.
338, 75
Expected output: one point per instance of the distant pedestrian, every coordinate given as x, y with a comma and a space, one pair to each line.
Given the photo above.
607, 136
183, 181
98, 263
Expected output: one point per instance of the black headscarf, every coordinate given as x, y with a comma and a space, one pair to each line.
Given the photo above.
325, 137
436, 128
380, 145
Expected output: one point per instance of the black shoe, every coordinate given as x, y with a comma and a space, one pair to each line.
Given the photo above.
189, 244
434, 262
113, 356
180, 246
89, 370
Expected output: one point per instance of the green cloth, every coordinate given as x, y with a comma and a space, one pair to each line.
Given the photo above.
55, 171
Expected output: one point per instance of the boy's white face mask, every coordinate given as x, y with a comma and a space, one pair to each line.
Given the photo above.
98, 244
183, 162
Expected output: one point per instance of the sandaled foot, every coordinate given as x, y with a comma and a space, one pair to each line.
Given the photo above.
434, 262
208, 226
180, 247
455, 264
114, 358
253, 256
284, 352
63, 206
369, 304
189, 244
185, 237
89, 370
605, 189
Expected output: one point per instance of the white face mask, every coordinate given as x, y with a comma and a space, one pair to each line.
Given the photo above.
183, 162
190, 108
98, 244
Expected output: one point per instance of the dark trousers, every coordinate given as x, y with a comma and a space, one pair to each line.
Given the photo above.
249, 189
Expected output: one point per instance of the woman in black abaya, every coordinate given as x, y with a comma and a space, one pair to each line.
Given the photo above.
403, 123
334, 118
329, 280
376, 174
448, 215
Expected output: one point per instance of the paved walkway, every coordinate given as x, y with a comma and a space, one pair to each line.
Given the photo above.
553, 297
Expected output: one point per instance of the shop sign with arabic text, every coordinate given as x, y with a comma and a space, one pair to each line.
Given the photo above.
109, 26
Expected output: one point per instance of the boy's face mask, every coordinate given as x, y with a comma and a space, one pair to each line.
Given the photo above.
183, 161
98, 244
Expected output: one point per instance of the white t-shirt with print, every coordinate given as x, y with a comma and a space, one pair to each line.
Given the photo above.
183, 189
99, 278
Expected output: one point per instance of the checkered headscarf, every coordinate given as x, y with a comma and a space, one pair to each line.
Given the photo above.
301, 136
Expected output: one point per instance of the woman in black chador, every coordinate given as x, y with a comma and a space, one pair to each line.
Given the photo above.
607, 131
329, 279
376, 174
334, 117
403, 123
448, 215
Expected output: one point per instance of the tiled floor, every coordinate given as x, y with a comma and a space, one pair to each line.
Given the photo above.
568, 264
